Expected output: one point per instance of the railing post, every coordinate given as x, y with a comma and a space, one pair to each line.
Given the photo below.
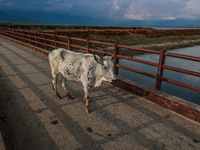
5, 32
88, 45
44, 37
10, 33
69, 43
18, 33
116, 59
29, 41
23, 36
55, 43
36, 41
160, 69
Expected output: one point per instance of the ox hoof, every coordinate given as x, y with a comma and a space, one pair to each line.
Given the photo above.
69, 97
88, 109
58, 96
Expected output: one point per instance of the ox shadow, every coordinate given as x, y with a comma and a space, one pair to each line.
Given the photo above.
18, 130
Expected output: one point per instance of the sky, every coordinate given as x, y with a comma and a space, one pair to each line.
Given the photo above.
112, 9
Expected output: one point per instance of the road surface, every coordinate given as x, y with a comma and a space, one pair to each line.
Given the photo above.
31, 118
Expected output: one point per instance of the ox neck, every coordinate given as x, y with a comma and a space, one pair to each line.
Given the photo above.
99, 77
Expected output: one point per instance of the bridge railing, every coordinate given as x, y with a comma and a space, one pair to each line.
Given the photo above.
52, 41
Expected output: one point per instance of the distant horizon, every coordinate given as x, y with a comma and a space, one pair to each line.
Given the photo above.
115, 10
67, 19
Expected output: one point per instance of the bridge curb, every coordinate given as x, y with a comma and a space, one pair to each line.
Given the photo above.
178, 105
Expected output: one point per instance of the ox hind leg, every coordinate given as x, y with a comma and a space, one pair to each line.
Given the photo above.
86, 97
54, 84
54, 80
65, 89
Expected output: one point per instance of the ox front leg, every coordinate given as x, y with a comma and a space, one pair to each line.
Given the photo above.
65, 89
86, 97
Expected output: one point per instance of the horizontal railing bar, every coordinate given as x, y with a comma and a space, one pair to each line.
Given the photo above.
101, 52
25, 39
40, 33
18, 33
61, 36
193, 58
181, 84
63, 43
31, 32
76, 46
41, 38
78, 39
32, 36
138, 60
137, 71
25, 35
40, 43
97, 51
33, 41
48, 45
51, 35
49, 40
193, 73
19, 37
102, 43
12, 35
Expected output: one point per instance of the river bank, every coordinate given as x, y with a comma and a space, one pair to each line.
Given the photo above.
154, 46
170, 45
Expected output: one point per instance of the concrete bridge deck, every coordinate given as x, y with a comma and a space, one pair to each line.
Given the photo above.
32, 118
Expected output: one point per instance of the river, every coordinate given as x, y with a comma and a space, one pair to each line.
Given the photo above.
169, 28
178, 91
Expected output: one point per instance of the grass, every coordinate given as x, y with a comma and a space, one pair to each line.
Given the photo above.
157, 40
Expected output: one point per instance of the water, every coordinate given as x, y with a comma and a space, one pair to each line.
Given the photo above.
182, 92
168, 28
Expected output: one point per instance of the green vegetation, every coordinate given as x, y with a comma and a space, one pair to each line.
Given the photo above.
157, 40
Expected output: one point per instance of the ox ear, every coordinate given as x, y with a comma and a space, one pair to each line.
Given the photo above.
98, 60
105, 54
112, 57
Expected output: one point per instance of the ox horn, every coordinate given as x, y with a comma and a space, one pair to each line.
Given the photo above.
113, 56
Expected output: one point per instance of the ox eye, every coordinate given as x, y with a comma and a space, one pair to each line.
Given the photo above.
105, 67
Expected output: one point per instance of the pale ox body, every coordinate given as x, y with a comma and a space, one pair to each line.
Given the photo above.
88, 69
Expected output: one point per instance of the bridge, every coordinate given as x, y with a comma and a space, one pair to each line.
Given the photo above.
32, 118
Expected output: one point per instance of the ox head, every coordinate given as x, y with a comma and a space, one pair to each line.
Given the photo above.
107, 67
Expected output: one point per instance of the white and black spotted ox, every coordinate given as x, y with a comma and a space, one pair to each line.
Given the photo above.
89, 69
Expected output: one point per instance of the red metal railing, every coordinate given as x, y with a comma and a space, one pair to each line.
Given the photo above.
53, 41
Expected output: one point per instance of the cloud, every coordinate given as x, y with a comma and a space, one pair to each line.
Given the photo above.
112, 9
169, 18
57, 5
146, 9
115, 6
191, 10
6, 3
136, 12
